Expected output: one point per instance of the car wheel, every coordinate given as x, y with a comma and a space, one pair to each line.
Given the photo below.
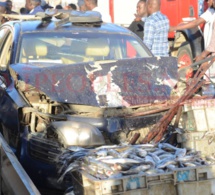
185, 57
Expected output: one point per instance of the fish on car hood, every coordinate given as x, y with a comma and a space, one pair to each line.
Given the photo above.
120, 83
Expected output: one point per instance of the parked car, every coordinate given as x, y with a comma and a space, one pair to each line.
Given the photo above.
74, 84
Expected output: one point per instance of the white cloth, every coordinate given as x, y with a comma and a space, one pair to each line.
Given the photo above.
143, 19
208, 16
105, 16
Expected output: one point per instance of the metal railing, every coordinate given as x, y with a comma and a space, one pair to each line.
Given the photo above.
13, 178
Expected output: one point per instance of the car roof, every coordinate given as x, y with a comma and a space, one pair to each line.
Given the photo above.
39, 26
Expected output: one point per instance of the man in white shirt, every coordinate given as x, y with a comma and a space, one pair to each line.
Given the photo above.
53, 3
206, 18
91, 5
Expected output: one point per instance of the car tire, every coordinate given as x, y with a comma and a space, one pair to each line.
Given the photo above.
185, 57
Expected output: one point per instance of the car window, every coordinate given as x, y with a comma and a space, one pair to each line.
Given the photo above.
6, 44
3, 35
70, 48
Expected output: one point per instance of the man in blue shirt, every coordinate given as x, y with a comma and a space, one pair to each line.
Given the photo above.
35, 6
156, 29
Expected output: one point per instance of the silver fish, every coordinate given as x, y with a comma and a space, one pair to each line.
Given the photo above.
185, 158
160, 171
166, 146
76, 148
120, 161
90, 160
159, 152
180, 152
133, 156
150, 149
167, 155
114, 161
102, 152
171, 167
120, 167
155, 158
164, 164
151, 171
113, 153
104, 157
154, 171
71, 167
180, 165
136, 170
143, 167
169, 158
94, 171
99, 168
149, 160
143, 146
107, 147
199, 164
189, 164
126, 153
200, 161
194, 153
141, 152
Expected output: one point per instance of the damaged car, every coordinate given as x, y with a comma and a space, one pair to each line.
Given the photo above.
78, 84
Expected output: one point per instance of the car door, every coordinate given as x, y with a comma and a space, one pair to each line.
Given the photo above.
5, 45
8, 107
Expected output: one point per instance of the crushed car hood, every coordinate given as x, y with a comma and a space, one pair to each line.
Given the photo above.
120, 83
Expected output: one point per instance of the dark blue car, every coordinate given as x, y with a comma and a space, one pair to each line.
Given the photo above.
74, 84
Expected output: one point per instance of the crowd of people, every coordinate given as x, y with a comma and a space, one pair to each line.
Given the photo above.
149, 24
153, 27
34, 6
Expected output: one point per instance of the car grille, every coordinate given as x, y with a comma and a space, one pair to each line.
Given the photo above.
43, 149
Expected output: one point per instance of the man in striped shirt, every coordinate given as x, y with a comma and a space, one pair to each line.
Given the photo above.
156, 29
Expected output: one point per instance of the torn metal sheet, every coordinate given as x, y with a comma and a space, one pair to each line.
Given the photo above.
119, 83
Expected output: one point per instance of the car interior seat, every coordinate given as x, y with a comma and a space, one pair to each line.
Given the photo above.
92, 50
33, 51
41, 50
97, 49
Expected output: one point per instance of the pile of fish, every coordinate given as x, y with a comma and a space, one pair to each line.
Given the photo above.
115, 161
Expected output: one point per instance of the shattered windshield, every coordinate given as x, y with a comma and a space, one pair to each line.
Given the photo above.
70, 48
